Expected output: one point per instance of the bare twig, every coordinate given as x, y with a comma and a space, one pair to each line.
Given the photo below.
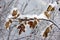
8, 5
24, 37
9, 33
10, 30
2, 33
26, 5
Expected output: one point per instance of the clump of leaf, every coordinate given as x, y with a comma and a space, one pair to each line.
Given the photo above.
47, 14
8, 23
14, 13
49, 8
21, 28
48, 29
53, 9
32, 24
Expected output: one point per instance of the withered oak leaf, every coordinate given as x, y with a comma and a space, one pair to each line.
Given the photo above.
49, 8
53, 9
47, 14
21, 28
10, 20
16, 16
45, 34
14, 13
7, 24
35, 22
32, 24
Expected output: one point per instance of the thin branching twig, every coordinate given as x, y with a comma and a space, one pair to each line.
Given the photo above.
26, 5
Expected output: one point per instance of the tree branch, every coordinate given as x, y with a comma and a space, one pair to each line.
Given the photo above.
37, 19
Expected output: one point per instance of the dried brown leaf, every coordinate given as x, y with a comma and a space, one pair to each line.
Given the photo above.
35, 22
14, 13
7, 24
10, 20
22, 28
45, 34
47, 14
20, 32
49, 8
51, 26
31, 24
53, 9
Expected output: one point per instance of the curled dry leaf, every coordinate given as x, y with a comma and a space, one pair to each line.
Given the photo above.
45, 34
14, 13
10, 20
20, 32
48, 29
16, 16
47, 14
35, 22
49, 8
22, 28
51, 26
53, 9
32, 24
7, 24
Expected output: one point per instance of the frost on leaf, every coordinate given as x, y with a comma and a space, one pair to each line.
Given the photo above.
16, 16
21, 28
32, 24
10, 20
47, 14
53, 9
35, 22
48, 29
7, 24
49, 8
14, 13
